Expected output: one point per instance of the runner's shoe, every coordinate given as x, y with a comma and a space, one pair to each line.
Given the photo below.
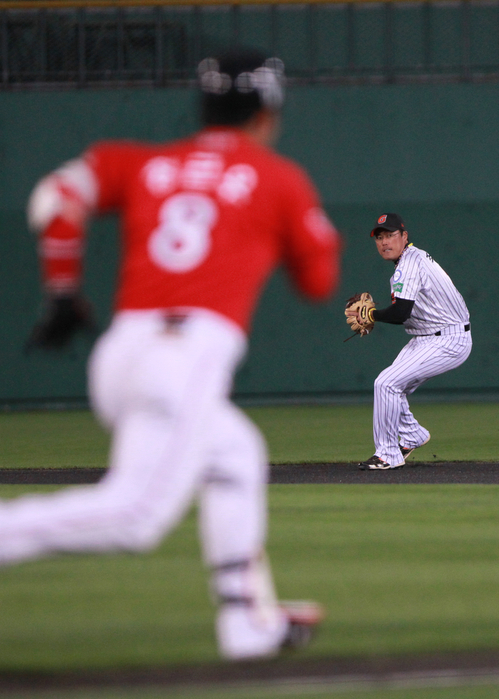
303, 618
245, 634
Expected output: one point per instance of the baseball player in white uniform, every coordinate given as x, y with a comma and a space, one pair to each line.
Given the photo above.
204, 221
434, 314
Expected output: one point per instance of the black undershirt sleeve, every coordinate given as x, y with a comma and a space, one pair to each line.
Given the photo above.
397, 313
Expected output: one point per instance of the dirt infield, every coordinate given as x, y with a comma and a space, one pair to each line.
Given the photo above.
414, 472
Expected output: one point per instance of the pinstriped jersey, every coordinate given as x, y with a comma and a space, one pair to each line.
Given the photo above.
437, 302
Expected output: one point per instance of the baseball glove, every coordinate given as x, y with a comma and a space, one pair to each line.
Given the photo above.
357, 313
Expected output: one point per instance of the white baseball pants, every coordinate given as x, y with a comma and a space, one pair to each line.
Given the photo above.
421, 359
163, 389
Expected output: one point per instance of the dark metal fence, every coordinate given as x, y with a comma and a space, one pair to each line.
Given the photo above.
351, 42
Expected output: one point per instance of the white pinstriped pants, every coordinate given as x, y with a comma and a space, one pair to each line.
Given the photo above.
423, 357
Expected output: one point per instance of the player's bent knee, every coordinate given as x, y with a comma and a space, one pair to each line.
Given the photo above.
128, 526
138, 536
142, 541
386, 383
245, 453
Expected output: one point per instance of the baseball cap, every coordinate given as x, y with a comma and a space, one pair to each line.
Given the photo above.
388, 222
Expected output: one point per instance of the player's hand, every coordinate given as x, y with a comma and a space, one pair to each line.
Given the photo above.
64, 316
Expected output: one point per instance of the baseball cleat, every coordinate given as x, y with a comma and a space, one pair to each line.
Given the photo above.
408, 450
377, 464
244, 634
303, 617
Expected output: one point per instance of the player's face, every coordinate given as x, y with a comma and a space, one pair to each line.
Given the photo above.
390, 244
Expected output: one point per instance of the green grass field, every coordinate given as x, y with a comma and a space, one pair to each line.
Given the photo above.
460, 432
400, 569
483, 690
305, 691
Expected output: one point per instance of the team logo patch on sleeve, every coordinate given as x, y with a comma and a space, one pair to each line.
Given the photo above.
398, 287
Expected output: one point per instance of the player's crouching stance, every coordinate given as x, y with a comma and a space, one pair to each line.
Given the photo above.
434, 313
204, 222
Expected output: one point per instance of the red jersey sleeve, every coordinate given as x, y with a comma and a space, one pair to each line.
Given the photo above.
312, 244
95, 182
110, 162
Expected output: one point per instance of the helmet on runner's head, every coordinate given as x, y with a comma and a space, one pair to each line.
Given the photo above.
237, 84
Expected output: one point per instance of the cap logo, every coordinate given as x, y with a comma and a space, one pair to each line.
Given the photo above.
382, 219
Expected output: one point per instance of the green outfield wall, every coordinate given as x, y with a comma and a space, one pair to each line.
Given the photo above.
430, 153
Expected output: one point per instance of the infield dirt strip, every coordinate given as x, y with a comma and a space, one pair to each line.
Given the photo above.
414, 472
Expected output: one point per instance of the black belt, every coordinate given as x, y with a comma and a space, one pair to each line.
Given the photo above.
466, 328
174, 321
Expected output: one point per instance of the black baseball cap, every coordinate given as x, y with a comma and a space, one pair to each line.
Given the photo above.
388, 222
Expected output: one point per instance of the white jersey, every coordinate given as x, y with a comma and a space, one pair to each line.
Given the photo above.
437, 302
439, 324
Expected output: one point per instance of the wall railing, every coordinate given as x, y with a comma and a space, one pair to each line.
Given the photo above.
70, 43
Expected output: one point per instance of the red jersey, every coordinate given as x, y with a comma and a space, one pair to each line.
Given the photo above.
204, 222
